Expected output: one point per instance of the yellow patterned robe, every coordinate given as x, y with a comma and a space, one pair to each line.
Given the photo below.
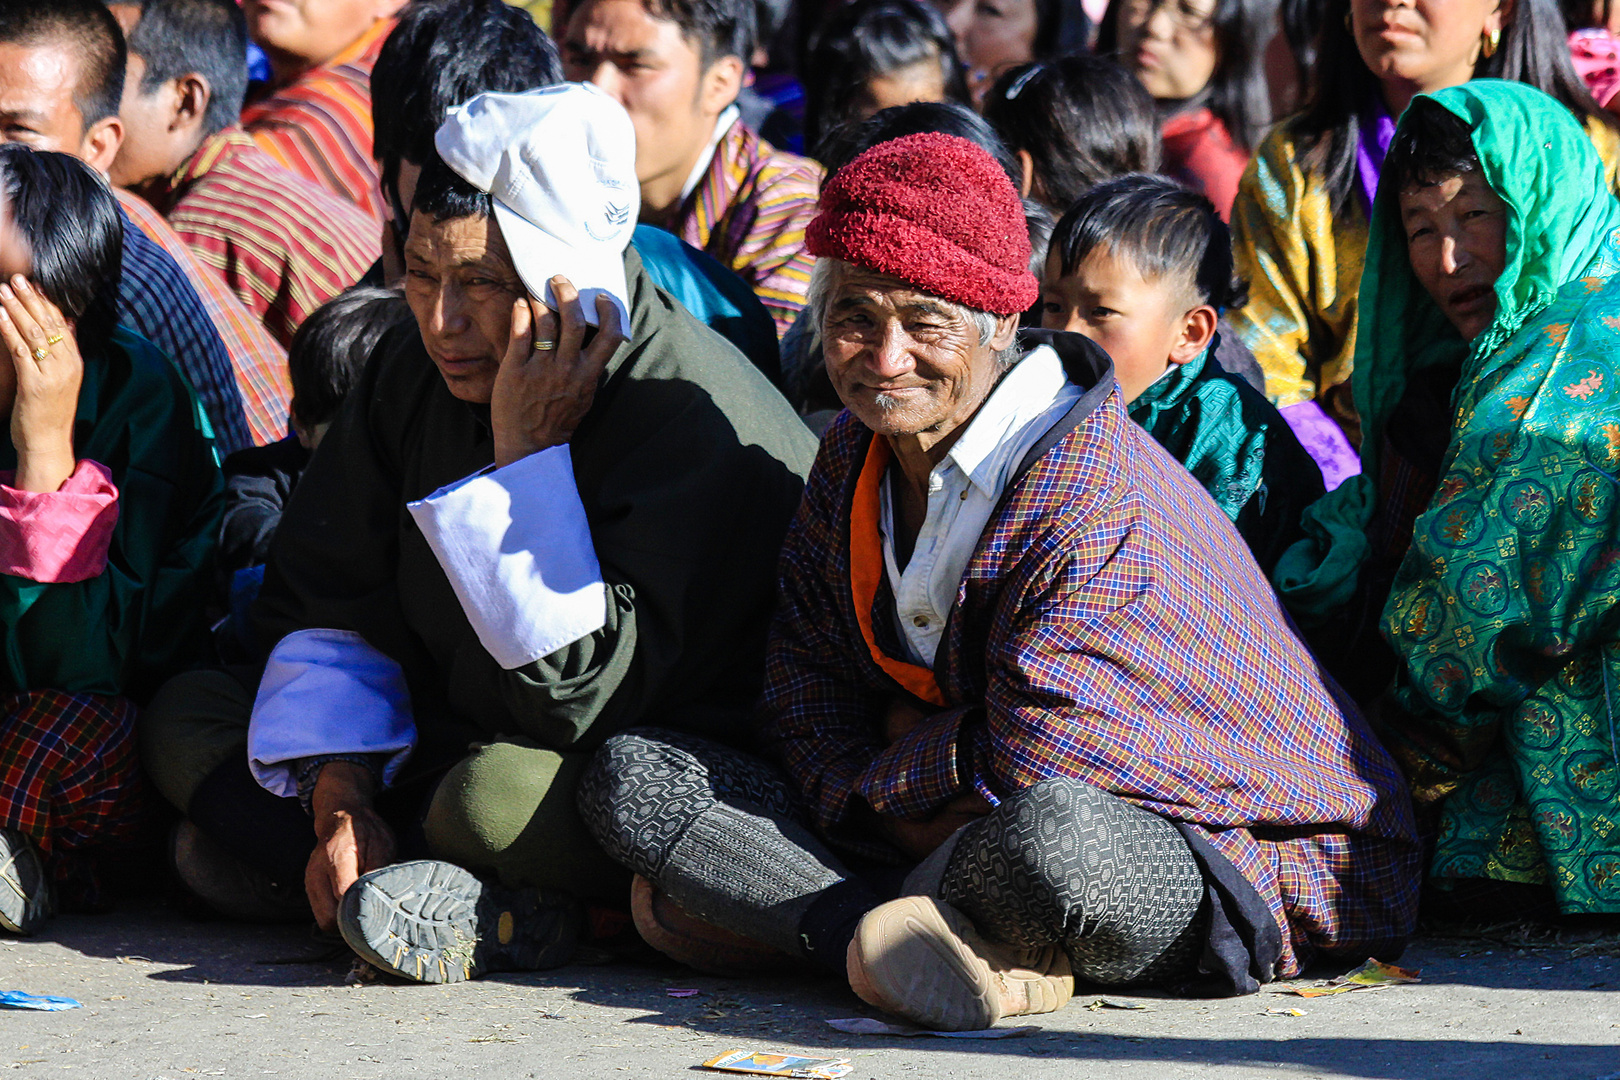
1303, 267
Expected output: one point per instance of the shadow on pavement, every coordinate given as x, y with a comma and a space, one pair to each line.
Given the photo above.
151, 934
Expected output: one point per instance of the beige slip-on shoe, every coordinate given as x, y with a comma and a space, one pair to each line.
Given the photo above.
921, 959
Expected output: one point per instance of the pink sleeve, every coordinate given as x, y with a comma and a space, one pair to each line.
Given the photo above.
62, 536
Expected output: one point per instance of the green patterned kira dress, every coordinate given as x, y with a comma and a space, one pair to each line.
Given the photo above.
1505, 613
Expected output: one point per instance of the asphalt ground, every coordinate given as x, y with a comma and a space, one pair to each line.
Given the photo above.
167, 996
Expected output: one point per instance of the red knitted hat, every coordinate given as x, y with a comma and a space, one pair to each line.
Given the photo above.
933, 210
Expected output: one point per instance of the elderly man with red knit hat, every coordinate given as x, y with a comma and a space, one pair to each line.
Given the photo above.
1031, 713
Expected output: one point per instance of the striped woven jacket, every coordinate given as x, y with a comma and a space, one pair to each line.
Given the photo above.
320, 126
750, 211
1112, 627
259, 360
283, 245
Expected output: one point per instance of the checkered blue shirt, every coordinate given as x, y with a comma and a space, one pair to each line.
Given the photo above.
156, 300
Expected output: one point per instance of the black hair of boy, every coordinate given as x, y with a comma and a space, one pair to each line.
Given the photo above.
93, 37
175, 38
1433, 143
865, 39
1081, 120
1165, 231
331, 348
440, 54
1237, 94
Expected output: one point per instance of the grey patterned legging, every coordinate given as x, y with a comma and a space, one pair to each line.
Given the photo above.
723, 834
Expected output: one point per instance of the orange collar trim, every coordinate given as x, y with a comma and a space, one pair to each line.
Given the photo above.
866, 571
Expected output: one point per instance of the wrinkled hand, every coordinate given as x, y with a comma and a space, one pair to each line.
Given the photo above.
350, 838
540, 396
47, 388
901, 719
918, 839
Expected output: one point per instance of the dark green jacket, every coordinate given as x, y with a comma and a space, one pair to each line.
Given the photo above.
689, 466
1239, 448
142, 619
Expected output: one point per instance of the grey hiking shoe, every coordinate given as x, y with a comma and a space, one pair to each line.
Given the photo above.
230, 886
434, 922
25, 891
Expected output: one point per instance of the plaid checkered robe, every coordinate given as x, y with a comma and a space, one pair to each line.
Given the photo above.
69, 779
1112, 627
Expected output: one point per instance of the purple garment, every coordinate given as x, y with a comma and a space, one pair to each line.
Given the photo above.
1324, 440
1377, 132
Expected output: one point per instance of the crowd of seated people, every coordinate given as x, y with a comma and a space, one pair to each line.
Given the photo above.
968, 500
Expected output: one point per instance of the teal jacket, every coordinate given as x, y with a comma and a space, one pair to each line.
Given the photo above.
142, 619
1238, 446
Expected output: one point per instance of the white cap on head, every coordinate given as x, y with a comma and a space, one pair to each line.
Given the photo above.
560, 165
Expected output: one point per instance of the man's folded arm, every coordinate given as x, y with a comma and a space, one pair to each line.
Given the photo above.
516, 547
929, 766
328, 694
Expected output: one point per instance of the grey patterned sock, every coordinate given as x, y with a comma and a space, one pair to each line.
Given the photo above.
1062, 861
715, 829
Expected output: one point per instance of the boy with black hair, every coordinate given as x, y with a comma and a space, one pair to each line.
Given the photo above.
1143, 267
325, 360
677, 67
327, 355
445, 52
281, 242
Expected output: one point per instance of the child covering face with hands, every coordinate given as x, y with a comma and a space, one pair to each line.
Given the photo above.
109, 502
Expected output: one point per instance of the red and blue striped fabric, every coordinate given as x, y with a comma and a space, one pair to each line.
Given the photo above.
157, 301
1111, 627
750, 211
319, 126
282, 244
259, 360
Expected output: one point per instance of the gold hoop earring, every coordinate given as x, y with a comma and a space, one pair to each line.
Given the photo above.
1489, 43
1348, 28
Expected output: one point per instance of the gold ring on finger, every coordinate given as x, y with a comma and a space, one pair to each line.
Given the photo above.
42, 354
544, 346
54, 338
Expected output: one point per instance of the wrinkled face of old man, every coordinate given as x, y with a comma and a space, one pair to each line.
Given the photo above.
460, 283
903, 361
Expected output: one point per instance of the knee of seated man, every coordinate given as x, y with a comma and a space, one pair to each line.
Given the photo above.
489, 799
509, 810
192, 725
1061, 825
621, 792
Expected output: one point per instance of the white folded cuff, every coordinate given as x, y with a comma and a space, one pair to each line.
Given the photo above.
327, 692
517, 549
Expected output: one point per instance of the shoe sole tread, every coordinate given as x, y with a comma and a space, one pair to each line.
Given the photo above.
434, 922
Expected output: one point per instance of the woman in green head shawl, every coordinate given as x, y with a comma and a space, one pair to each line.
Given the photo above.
1486, 378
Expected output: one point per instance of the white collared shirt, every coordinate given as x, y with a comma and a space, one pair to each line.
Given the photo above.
963, 491
722, 124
